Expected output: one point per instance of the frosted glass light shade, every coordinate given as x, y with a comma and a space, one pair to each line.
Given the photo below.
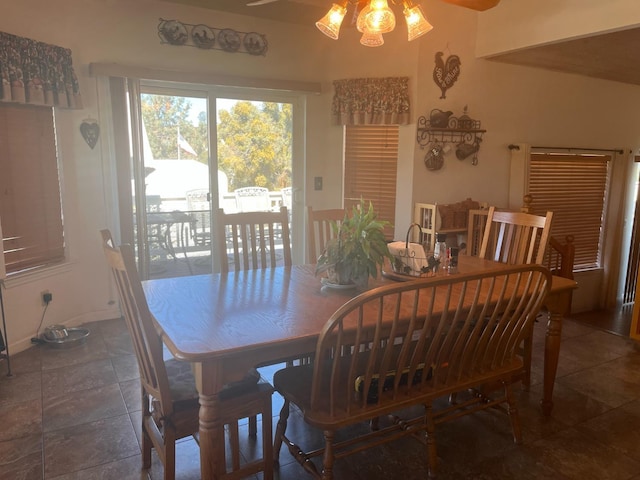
360, 22
330, 23
417, 24
372, 39
380, 18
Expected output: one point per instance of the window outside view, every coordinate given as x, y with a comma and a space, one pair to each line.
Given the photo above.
254, 172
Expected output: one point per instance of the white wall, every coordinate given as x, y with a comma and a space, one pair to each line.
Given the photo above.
515, 104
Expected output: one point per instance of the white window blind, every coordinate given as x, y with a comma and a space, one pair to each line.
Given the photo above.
575, 189
370, 167
30, 208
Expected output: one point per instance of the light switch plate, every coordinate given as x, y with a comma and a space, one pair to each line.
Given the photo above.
317, 183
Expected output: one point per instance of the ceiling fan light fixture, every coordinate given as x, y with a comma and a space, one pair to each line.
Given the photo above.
379, 18
417, 24
375, 17
330, 23
372, 39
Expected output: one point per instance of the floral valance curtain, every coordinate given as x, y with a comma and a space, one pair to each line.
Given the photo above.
37, 73
371, 101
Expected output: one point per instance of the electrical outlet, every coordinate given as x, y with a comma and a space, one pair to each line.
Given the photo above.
47, 297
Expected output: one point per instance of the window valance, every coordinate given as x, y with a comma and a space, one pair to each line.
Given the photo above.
37, 73
371, 101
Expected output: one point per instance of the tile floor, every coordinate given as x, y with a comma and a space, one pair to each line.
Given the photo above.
74, 414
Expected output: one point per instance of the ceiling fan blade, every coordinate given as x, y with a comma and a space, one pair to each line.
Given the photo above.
260, 2
479, 5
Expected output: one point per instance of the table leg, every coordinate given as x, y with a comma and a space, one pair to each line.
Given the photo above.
556, 306
211, 430
551, 355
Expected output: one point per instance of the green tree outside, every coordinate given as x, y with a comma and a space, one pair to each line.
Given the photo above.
163, 115
254, 139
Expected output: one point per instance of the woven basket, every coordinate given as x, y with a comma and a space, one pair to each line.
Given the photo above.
409, 258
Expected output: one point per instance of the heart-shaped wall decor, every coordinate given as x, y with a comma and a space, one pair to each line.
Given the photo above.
90, 131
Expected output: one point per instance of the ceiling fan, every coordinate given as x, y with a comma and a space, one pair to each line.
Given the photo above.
260, 2
475, 4
479, 5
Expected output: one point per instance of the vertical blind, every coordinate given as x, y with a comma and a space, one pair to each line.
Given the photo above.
574, 188
370, 166
30, 209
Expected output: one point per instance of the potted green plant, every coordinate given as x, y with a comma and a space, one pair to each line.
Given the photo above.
357, 249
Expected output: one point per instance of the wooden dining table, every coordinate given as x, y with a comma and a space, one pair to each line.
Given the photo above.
225, 324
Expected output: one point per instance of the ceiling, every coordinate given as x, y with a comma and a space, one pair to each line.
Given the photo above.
303, 12
610, 56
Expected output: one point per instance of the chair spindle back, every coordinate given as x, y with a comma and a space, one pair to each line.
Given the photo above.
427, 337
250, 238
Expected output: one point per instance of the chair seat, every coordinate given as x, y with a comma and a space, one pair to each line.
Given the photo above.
182, 383
295, 383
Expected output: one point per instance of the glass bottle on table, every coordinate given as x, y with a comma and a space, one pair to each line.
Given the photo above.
440, 251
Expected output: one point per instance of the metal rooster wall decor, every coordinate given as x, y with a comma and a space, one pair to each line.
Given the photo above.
446, 72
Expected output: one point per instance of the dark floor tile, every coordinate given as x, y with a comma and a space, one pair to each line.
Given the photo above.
570, 407
578, 349
599, 384
572, 328
20, 387
116, 337
127, 469
136, 421
120, 344
78, 377
21, 458
592, 432
614, 344
126, 367
626, 367
88, 445
132, 394
27, 361
187, 462
616, 321
93, 349
81, 407
522, 463
111, 328
471, 438
618, 428
583, 457
579, 353
21, 420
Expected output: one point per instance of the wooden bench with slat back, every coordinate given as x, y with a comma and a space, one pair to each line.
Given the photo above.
407, 344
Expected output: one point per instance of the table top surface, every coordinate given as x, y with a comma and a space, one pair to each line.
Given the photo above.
206, 317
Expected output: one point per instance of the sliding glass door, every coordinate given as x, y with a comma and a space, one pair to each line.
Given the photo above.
201, 149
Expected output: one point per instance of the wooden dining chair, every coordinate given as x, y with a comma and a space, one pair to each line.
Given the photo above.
516, 238
319, 229
170, 405
253, 240
408, 344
